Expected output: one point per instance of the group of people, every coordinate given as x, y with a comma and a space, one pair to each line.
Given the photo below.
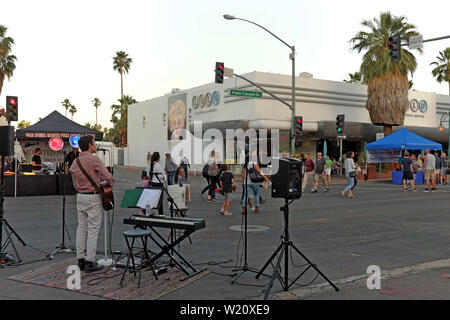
219, 177
434, 166
319, 171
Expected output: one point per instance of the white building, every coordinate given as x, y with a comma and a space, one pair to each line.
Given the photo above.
318, 101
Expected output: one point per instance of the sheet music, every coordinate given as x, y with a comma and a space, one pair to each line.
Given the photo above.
149, 195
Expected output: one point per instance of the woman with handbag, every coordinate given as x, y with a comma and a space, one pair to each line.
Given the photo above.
254, 178
350, 173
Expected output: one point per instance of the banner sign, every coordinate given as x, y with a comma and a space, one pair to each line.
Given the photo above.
380, 156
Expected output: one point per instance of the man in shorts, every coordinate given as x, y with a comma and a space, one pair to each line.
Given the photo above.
319, 174
430, 171
407, 168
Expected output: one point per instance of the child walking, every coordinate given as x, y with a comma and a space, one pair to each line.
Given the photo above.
226, 184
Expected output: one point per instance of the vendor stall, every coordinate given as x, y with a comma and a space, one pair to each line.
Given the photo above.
401, 140
54, 135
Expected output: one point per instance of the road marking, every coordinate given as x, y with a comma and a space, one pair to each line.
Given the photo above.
358, 281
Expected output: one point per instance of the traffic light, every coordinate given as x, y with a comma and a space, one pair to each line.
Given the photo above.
340, 124
220, 68
12, 105
298, 125
395, 49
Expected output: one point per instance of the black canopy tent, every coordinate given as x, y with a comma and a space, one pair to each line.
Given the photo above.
56, 125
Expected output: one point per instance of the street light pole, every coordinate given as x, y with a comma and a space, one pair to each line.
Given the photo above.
441, 128
292, 57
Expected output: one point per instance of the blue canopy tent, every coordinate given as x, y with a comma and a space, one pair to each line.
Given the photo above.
404, 140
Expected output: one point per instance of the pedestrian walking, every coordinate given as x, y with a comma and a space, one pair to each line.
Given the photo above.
429, 164
226, 185
319, 174
444, 167
213, 174
309, 171
407, 168
438, 167
253, 181
444, 170
415, 166
350, 174
171, 168
329, 164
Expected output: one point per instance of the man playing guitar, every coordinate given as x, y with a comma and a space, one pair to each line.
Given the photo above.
89, 201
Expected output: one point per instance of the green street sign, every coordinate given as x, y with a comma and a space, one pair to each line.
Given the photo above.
248, 94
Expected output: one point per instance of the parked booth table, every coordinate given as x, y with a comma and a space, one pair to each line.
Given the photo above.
403, 140
38, 185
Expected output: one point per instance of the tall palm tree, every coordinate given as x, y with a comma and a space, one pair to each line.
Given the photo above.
66, 104
72, 110
120, 117
7, 60
387, 90
442, 70
96, 103
121, 63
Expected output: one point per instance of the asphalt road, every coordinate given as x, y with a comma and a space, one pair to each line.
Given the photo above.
382, 226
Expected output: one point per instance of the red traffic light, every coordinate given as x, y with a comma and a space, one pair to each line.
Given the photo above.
12, 101
299, 120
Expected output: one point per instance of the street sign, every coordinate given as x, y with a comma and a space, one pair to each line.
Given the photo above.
379, 136
416, 42
228, 72
244, 93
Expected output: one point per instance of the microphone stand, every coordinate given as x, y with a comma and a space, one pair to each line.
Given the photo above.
62, 247
245, 268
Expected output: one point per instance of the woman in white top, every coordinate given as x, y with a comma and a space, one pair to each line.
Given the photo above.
349, 167
157, 177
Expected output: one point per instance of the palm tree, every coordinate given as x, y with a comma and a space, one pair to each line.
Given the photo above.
96, 103
72, 110
23, 124
66, 104
354, 78
442, 70
7, 60
387, 90
121, 63
120, 117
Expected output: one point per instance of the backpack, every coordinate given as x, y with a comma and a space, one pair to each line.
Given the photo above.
205, 171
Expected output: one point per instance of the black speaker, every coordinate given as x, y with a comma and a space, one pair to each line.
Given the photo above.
6, 140
287, 182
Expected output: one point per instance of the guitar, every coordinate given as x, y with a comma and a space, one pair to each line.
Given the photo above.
107, 196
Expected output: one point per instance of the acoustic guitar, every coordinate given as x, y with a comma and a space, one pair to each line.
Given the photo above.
107, 196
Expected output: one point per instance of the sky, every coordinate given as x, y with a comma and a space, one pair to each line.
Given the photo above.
65, 49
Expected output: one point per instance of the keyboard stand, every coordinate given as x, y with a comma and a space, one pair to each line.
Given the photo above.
169, 250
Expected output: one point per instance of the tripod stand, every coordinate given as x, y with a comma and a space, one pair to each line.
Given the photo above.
62, 247
5, 258
283, 250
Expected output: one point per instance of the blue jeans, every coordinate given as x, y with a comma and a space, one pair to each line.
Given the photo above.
255, 188
350, 182
170, 176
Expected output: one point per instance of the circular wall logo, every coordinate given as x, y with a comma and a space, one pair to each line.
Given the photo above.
215, 98
195, 102
423, 106
208, 99
201, 101
414, 105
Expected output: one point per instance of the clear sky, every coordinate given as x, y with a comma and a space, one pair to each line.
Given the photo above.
65, 48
